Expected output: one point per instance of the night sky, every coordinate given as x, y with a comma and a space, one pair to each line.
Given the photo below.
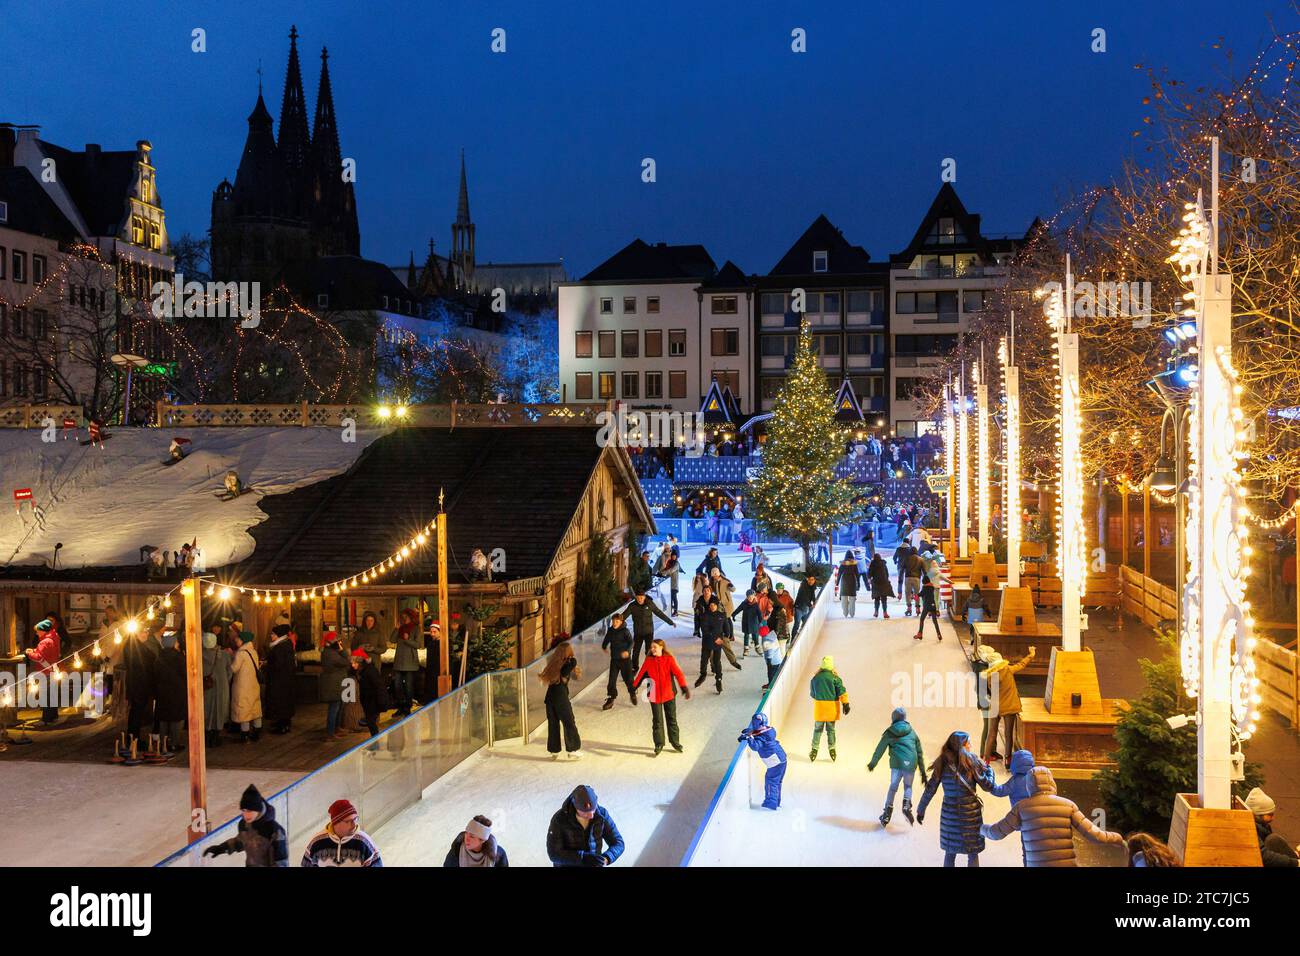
751, 140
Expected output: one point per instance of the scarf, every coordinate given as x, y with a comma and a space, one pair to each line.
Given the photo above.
486, 856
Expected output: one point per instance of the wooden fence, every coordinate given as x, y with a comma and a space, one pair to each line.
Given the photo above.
307, 415
1146, 598
33, 416
1279, 679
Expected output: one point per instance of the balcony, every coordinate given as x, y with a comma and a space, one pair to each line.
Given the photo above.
951, 272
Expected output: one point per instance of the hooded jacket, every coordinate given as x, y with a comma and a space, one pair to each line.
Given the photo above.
827, 691
761, 739
878, 578
962, 813
846, 577
262, 842
1005, 679
643, 617
904, 747
1018, 785
569, 843
333, 672
1047, 823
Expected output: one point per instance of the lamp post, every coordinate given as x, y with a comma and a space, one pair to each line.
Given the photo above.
1011, 471
963, 469
982, 455
950, 459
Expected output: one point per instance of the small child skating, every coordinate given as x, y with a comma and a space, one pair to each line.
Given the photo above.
1017, 786
905, 759
761, 739
773, 654
828, 694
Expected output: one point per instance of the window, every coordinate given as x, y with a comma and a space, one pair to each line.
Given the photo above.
945, 232
18, 327
606, 385
137, 230
322, 300
38, 382
385, 303
4, 212
19, 270
722, 304
826, 344
727, 378
820, 258
864, 343
39, 324
652, 304
606, 306
768, 387
945, 303
726, 341
38, 269
582, 386
925, 302
631, 344
654, 384
677, 345
676, 384
3, 258
831, 303
631, 384
905, 429
778, 344
864, 301
772, 303
654, 347
20, 379
607, 343
924, 344
905, 388
869, 386
812, 303
972, 300
3, 382
582, 345
629, 305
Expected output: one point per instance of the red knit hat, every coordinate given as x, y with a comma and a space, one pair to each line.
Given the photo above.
361, 653
341, 810
329, 637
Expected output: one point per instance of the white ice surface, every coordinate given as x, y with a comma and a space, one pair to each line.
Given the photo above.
105, 503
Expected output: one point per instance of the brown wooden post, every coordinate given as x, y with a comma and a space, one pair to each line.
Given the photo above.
953, 550
190, 590
1124, 530
304, 420
444, 612
1146, 529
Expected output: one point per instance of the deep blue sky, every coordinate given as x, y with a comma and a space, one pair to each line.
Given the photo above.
751, 140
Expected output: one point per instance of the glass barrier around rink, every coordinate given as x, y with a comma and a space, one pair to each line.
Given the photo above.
742, 784
390, 772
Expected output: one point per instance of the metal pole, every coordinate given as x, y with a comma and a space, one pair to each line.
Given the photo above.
198, 757
982, 458
444, 613
963, 477
1011, 478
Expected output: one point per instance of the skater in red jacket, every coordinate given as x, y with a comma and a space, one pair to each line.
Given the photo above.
665, 676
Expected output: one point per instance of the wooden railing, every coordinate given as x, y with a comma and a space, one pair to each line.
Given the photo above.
1146, 598
307, 415
1279, 679
33, 416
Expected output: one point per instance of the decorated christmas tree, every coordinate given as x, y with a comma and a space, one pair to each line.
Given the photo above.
797, 493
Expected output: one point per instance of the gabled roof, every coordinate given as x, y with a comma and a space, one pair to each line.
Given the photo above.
30, 208
331, 529
730, 276
714, 410
99, 182
946, 204
847, 407
639, 261
843, 258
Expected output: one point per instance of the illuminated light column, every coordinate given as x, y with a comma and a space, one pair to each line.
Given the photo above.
963, 469
1217, 642
1071, 547
982, 456
950, 461
1011, 471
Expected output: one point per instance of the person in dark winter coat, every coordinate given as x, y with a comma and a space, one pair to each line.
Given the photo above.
281, 670
664, 676
476, 846
406, 640
642, 611
902, 556
929, 608
846, 583
216, 688
713, 632
960, 772
582, 833
342, 842
259, 837
172, 704
750, 621
1047, 823
560, 667
905, 758
432, 662
370, 689
760, 737
333, 672
881, 587
138, 657
618, 644
1274, 851
804, 600
711, 561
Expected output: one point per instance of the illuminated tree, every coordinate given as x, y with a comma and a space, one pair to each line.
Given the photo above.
797, 492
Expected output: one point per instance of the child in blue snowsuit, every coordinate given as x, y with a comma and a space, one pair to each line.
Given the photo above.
762, 740
1017, 786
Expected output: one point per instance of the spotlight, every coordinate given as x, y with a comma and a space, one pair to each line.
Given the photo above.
385, 411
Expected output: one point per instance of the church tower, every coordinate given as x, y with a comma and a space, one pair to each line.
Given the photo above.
462, 236
295, 142
331, 199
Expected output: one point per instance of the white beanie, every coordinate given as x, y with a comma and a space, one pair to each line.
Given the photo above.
1260, 803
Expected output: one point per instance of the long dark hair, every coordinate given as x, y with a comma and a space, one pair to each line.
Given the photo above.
550, 673
954, 755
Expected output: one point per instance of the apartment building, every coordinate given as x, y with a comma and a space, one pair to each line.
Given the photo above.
936, 285
842, 293
653, 325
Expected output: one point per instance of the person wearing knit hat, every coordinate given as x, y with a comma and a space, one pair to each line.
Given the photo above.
258, 836
342, 842
476, 846
582, 833
370, 689
334, 670
905, 758
45, 655
1274, 850
829, 695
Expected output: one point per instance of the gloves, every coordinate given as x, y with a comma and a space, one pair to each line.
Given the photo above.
920, 818
217, 850
846, 710
871, 767
686, 692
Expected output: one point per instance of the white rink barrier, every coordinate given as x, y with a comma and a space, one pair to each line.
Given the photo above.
741, 789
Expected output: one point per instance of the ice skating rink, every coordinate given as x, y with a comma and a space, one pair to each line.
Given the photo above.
829, 811
656, 802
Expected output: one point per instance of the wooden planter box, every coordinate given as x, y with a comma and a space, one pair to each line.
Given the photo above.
1213, 837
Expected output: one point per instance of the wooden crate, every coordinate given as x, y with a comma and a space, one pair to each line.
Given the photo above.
1070, 673
1203, 837
984, 571
1016, 612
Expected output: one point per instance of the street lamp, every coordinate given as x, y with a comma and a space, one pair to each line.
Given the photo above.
1163, 478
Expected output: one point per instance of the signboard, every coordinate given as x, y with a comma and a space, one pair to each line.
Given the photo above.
22, 494
938, 483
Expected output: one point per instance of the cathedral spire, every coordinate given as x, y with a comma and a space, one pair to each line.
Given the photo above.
462, 204
325, 133
294, 138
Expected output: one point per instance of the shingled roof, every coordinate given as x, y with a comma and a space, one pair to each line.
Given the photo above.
511, 488
639, 261
99, 182
843, 257
30, 208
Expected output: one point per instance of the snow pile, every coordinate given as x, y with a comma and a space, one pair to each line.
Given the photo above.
104, 503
